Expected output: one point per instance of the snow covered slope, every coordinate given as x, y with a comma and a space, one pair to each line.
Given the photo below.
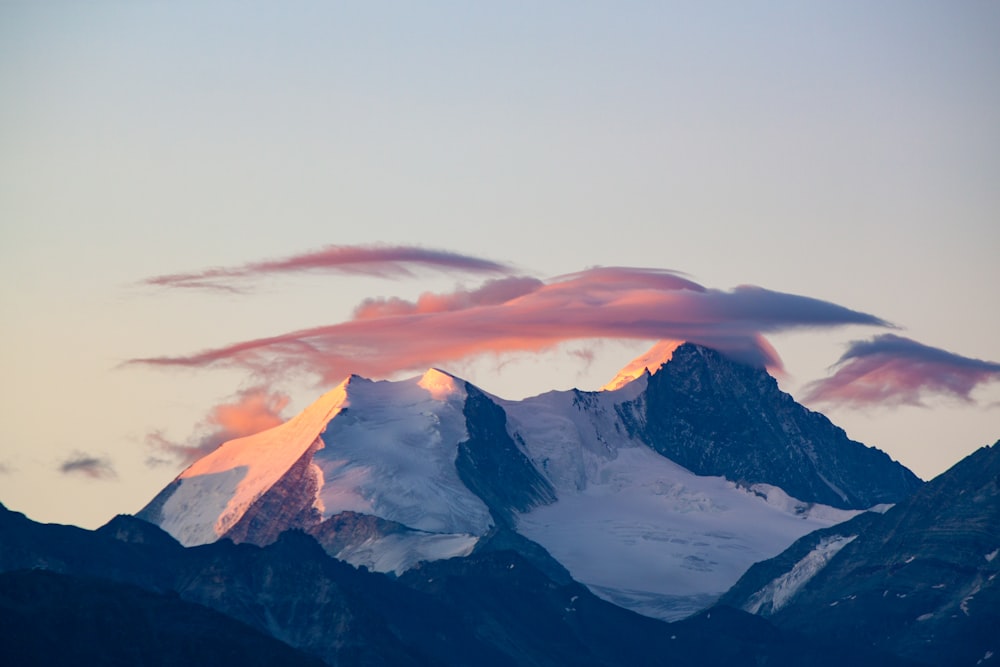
637, 528
214, 493
385, 449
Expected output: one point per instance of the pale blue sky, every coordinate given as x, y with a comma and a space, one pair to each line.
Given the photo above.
848, 151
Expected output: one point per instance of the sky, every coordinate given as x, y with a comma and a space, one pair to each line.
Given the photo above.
211, 212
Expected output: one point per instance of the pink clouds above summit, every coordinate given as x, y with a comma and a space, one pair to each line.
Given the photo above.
525, 314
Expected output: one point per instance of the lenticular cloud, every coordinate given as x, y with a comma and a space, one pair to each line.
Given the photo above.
893, 370
375, 260
523, 314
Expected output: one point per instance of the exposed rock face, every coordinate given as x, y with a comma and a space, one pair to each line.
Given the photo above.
920, 581
492, 466
718, 417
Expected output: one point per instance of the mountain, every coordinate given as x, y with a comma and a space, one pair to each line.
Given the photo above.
920, 581
682, 479
715, 417
128, 589
48, 618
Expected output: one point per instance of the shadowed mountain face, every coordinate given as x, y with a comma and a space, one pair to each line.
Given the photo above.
492, 466
491, 608
920, 581
718, 417
48, 618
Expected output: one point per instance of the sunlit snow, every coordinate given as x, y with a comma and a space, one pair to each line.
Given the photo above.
215, 491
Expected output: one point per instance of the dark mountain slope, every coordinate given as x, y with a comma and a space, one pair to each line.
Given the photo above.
58, 619
920, 581
492, 608
718, 417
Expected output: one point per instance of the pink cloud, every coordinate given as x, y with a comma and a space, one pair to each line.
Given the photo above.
893, 370
492, 292
253, 410
374, 260
525, 315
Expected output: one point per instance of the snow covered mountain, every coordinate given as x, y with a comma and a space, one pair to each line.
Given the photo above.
657, 494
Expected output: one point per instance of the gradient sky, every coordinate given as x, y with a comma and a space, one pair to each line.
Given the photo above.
848, 152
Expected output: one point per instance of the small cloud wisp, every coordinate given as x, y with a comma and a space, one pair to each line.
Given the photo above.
891, 370
88, 465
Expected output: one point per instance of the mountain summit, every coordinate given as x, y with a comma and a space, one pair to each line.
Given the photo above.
658, 494
717, 417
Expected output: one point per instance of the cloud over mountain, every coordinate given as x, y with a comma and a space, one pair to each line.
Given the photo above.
518, 314
894, 370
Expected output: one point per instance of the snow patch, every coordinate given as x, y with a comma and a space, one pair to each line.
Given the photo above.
399, 552
777, 498
781, 590
881, 508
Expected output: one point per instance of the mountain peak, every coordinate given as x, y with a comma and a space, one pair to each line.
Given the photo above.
442, 385
645, 364
718, 416
221, 486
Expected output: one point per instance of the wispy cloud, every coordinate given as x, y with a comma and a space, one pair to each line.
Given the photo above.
374, 260
88, 465
251, 411
519, 314
893, 370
